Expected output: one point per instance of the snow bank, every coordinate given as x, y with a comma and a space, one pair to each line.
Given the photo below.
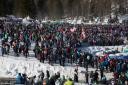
10, 66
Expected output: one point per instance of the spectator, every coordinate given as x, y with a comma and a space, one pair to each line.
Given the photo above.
104, 80
69, 82
47, 73
19, 79
86, 76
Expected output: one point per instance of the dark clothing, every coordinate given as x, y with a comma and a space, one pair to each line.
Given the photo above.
86, 76
48, 75
75, 78
52, 81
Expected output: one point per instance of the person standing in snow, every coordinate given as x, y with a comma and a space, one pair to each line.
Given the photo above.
86, 75
60, 56
3, 49
42, 76
62, 80
80, 61
16, 47
24, 79
101, 70
118, 68
95, 76
21, 47
19, 79
52, 80
91, 77
69, 82
36, 50
124, 67
26, 50
104, 79
76, 75
37, 81
63, 60
32, 80
47, 73
8, 47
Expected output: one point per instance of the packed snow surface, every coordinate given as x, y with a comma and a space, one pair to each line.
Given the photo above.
10, 66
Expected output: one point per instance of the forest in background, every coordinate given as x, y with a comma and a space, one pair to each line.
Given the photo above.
59, 8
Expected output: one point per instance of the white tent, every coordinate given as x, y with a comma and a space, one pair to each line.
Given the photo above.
123, 18
26, 21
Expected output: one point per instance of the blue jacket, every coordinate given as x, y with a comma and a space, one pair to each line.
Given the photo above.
19, 79
118, 68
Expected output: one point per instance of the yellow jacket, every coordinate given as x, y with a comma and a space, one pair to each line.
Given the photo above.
68, 82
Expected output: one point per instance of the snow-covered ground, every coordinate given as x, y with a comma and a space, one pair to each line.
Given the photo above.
10, 66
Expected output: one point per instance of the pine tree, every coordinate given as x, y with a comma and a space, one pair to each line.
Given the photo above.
58, 8
55, 8
25, 8
1, 7
42, 7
